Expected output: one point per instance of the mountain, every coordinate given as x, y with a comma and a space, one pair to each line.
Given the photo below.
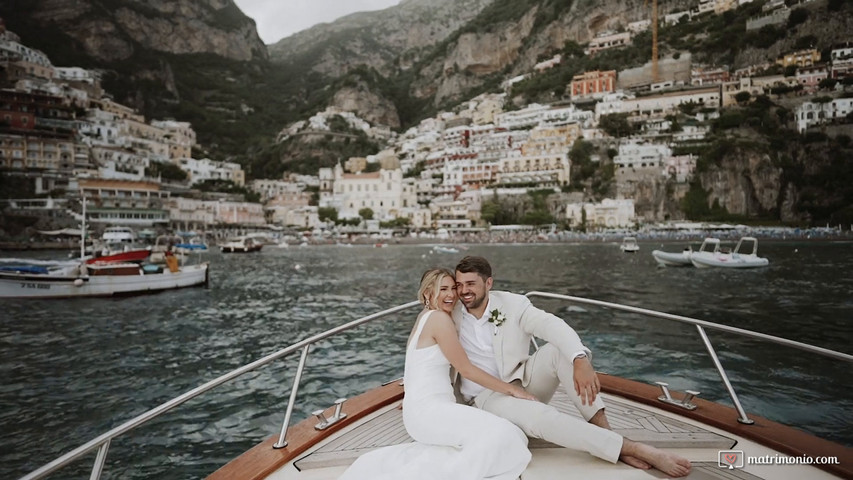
389, 40
202, 61
186, 59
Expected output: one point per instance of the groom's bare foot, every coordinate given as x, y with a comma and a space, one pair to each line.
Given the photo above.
643, 456
600, 420
668, 463
635, 462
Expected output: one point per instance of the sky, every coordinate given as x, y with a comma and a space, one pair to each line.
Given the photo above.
277, 19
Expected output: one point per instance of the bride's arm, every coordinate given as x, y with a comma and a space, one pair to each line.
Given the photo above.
445, 335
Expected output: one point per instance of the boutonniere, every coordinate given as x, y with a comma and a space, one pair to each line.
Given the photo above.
497, 318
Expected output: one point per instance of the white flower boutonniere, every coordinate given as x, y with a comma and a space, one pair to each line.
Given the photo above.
497, 318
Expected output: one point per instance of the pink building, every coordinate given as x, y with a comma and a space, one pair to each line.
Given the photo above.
596, 83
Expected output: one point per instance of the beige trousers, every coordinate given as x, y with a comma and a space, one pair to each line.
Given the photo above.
546, 369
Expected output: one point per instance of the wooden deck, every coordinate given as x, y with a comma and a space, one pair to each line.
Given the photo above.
374, 420
626, 419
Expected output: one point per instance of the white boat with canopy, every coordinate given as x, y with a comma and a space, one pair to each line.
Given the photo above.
735, 259
717, 439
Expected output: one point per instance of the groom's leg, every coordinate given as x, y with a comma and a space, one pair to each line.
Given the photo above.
545, 369
540, 420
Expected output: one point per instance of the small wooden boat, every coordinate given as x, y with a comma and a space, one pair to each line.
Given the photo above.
128, 256
722, 442
100, 280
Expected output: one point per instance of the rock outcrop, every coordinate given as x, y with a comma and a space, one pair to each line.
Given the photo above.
111, 31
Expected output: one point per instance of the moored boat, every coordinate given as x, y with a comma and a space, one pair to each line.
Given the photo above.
629, 245
242, 244
714, 437
128, 255
669, 259
100, 280
733, 259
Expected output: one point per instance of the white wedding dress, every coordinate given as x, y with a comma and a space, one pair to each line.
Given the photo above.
452, 441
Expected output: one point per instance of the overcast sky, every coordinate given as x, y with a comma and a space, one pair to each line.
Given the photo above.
277, 19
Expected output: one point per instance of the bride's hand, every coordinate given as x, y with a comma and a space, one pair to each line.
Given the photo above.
521, 393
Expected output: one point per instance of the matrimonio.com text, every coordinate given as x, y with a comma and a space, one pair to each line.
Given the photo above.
736, 459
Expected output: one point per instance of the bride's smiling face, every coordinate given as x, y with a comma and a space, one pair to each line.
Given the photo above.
446, 298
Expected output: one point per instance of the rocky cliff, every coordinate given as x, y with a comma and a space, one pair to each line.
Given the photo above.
113, 30
388, 41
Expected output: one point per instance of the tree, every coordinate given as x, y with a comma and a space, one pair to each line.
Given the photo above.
616, 125
327, 214
742, 97
366, 213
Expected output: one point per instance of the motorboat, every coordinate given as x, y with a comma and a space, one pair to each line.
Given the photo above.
734, 259
721, 441
242, 244
118, 234
99, 279
669, 259
629, 245
443, 249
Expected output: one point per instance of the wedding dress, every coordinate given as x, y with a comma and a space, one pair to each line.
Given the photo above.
452, 441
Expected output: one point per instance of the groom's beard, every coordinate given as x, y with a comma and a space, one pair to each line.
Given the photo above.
475, 303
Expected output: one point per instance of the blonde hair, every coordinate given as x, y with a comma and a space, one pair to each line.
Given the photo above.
431, 286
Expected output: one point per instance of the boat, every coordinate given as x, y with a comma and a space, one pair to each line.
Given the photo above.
129, 255
99, 279
669, 259
443, 249
629, 245
242, 244
118, 234
735, 259
721, 441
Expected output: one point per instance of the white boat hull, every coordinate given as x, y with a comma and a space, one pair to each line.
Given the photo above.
668, 259
711, 260
16, 285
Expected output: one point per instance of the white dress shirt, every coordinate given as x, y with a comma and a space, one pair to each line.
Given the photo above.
475, 335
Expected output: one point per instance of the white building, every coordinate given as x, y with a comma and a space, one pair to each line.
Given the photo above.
810, 114
206, 169
384, 192
607, 214
543, 170
641, 155
536, 114
667, 103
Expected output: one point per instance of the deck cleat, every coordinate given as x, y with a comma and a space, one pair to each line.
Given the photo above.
683, 403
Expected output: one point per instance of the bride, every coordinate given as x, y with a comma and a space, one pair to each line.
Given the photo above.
452, 441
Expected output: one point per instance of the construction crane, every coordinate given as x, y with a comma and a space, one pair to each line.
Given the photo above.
654, 20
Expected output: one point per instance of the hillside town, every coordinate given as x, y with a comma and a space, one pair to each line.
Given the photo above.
63, 134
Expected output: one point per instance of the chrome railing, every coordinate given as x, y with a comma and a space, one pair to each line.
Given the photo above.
700, 326
102, 442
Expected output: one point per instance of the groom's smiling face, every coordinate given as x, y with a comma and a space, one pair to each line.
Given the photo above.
472, 290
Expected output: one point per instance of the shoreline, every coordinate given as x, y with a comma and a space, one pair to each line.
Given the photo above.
515, 238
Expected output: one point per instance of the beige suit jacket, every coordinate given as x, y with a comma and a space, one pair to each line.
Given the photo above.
512, 339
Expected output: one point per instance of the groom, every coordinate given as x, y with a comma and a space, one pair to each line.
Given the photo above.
495, 329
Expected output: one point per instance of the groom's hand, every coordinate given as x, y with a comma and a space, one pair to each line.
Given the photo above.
587, 385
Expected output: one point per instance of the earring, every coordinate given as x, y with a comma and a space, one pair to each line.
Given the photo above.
426, 304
